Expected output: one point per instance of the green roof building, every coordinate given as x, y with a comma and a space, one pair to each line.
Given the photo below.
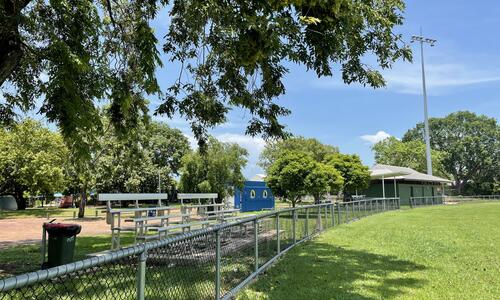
392, 181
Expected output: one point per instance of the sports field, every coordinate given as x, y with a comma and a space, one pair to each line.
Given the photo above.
440, 252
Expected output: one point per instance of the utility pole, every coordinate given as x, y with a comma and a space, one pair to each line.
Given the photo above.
159, 182
158, 153
431, 42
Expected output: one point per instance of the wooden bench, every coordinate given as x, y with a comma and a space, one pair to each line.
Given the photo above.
198, 197
166, 229
202, 208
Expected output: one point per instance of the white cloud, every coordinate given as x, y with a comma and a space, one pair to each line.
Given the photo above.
440, 78
254, 145
375, 138
193, 143
406, 78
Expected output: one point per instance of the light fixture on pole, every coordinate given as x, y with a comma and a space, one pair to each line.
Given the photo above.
431, 42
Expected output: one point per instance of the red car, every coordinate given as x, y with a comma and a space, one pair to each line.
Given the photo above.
66, 202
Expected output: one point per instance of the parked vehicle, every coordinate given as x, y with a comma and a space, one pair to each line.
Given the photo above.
66, 202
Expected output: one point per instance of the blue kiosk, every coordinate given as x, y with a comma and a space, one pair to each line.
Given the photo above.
255, 195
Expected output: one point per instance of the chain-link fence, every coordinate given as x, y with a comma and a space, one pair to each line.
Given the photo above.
211, 263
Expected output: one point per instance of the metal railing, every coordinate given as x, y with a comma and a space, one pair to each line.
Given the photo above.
211, 263
444, 199
426, 200
461, 198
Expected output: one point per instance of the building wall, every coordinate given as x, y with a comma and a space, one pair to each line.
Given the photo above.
404, 190
245, 202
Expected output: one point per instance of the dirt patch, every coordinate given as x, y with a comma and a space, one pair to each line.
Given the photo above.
15, 232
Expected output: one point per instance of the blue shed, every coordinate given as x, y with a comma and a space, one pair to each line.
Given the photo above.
255, 195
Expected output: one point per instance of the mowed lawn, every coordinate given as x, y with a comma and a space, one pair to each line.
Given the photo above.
440, 252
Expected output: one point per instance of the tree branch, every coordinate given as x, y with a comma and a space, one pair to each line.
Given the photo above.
110, 12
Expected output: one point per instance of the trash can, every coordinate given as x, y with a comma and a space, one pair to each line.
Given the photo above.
62, 239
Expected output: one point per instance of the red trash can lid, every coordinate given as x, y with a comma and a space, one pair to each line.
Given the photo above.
61, 229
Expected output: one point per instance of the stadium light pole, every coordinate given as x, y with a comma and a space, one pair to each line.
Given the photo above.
421, 39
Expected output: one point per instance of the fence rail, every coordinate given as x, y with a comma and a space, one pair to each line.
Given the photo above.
472, 198
427, 200
211, 263
443, 199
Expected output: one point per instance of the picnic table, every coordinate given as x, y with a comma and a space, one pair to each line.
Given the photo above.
217, 214
114, 218
201, 208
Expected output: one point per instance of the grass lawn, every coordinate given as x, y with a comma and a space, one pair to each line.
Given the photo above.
41, 212
27, 258
440, 252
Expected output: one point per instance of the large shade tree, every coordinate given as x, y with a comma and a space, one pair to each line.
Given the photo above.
410, 154
356, 175
72, 54
296, 174
216, 169
32, 160
150, 159
472, 146
310, 146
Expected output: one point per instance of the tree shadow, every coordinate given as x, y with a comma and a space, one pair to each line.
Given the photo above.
324, 271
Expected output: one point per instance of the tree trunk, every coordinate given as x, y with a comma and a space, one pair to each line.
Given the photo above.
11, 49
316, 199
459, 187
21, 202
83, 202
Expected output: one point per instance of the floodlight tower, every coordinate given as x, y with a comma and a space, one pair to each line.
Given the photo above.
431, 42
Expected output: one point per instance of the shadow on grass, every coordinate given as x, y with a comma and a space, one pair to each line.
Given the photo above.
323, 271
20, 259
41, 212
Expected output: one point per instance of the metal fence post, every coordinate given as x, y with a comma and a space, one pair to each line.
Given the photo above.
333, 214
278, 245
307, 221
326, 217
338, 214
256, 240
141, 275
293, 226
217, 264
319, 226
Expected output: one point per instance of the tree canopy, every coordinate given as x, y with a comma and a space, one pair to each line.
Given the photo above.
356, 175
32, 160
410, 154
296, 174
134, 165
73, 54
217, 169
310, 146
472, 146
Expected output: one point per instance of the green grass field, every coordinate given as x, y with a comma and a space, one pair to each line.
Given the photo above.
440, 252
53, 212
27, 258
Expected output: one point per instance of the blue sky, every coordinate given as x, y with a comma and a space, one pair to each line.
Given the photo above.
463, 73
